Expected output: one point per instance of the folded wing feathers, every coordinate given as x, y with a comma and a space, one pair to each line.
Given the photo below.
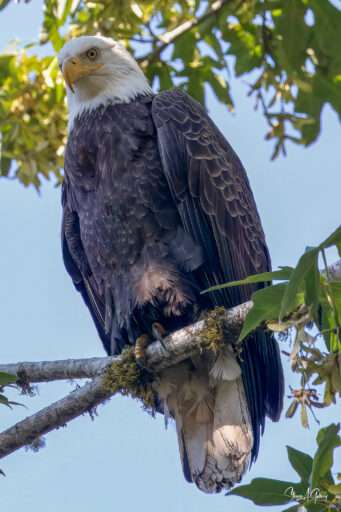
206, 399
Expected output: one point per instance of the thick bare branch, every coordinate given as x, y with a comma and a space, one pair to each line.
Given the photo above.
55, 415
172, 35
46, 371
180, 345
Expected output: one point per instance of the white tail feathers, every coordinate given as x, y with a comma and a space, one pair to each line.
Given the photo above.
207, 400
225, 367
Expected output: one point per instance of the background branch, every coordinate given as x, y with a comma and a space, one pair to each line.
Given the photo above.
172, 35
56, 415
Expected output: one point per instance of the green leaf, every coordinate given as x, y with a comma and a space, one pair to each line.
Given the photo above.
164, 76
3, 4
4, 401
327, 439
212, 40
7, 378
327, 320
292, 409
335, 289
304, 416
184, 47
266, 306
283, 274
319, 506
305, 266
301, 462
244, 46
64, 9
331, 336
5, 164
17, 403
266, 491
312, 282
335, 489
333, 239
338, 246
291, 509
220, 88
294, 34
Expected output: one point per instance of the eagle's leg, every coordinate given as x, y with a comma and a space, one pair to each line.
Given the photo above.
159, 332
140, 350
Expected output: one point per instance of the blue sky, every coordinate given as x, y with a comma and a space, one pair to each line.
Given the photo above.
126, 460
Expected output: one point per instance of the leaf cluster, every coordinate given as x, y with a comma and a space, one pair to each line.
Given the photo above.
32, 117
304, 295
316, 491
293, 45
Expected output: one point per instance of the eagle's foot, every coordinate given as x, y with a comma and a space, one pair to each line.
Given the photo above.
159, 332
140, 351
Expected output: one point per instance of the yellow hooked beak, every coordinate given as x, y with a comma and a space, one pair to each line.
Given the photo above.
72, 71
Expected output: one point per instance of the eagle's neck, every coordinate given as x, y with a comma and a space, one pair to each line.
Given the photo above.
102, 90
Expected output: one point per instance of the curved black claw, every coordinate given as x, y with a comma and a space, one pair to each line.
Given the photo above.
141, 362
158, 333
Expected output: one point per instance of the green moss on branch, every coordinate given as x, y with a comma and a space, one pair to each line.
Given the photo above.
128, 378
213, 334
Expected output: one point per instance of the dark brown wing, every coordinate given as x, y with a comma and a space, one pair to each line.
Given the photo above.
216, 205
77, 266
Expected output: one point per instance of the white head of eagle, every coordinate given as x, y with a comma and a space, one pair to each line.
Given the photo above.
96, 70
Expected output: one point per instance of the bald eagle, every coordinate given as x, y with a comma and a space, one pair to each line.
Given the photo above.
156, 208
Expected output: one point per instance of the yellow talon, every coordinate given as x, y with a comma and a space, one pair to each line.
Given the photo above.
158, 329
140, 349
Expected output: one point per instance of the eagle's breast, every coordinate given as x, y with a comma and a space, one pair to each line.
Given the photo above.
129, 224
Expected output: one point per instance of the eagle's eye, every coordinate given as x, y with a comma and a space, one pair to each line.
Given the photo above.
92, 54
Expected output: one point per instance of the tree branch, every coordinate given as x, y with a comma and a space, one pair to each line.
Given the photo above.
54, 416
180, 345
172, 35
47, 371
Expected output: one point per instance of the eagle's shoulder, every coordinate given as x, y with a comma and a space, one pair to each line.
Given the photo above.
172, 95
176, 105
